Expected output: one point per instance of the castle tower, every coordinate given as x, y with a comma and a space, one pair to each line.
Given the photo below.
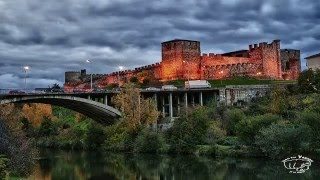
179, 56
268, 55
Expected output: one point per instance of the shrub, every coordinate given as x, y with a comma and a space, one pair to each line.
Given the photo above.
116, 138
231, 118
189, 131
94, 136
249, 127
312, 119
283, 139
149, 141
3, 166
215, 132
229, 141
47, 128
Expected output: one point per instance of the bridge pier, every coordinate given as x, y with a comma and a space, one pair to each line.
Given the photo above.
163, 108
105, 101
170, 107
186, 100
200, 99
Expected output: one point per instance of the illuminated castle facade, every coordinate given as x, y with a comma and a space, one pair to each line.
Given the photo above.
182, 59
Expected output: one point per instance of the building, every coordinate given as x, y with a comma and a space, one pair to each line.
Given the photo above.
182, 59
313, 61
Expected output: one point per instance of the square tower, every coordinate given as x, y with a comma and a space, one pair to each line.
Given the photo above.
178, 57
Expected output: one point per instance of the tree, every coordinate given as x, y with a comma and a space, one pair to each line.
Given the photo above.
231, 118
137, 112
283, 138
307, 81
189, 130
248, 128
279, 103
35, 113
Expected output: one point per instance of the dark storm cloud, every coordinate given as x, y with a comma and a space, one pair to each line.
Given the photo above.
57, 36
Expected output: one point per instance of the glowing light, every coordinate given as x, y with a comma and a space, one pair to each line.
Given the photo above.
121, 68
26, 68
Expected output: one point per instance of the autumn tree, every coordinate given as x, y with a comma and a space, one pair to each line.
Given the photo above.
137, 112
35, 113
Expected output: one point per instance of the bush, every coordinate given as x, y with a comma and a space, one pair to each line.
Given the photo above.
149, 141
215, 132
249, 127
231, 118
95, 136
3, 166
116, 137
229, 141
312, 119
47, 128
189, 131
282, 139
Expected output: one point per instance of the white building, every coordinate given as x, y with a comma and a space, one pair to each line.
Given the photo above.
313, 62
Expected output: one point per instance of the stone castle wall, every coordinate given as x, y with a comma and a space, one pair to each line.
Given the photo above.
181, 59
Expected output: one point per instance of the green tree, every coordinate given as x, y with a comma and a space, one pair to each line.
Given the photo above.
189, 130
281, 139
94, 136
47, 128
279, 101
149, 141
249, 127
231, 118
312, 119
306, 81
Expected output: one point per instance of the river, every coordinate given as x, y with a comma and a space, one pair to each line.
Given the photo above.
80, 165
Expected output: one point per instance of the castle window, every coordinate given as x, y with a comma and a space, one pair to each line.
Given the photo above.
287, 65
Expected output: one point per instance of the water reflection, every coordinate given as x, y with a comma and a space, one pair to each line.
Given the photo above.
85, 165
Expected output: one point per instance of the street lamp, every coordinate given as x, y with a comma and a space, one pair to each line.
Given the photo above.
89, 61
26, 68
120, 68
188, 71
221, 72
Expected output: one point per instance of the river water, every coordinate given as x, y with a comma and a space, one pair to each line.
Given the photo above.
80, 165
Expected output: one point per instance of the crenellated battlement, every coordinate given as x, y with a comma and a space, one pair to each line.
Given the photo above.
182, 59
263, 45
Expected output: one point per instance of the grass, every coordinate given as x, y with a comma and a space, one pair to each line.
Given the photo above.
234, 81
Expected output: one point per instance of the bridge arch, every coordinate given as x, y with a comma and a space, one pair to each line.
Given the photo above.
99, 112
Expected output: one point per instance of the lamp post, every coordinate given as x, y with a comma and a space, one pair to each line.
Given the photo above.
26, 68
188, 72
120, 68
90, 63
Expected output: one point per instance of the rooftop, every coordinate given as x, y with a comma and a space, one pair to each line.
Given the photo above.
313, 56
174, 40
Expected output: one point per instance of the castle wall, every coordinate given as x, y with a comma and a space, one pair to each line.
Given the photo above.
182, 59
290, 64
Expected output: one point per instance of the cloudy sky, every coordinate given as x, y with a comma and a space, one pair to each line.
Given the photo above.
56, 36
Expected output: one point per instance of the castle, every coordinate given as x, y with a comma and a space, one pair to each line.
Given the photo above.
182, 59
